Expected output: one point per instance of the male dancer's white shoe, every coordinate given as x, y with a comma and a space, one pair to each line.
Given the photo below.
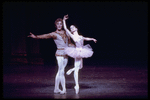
57, 91
63, 92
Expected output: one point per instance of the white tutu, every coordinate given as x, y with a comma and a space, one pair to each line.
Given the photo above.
82, 52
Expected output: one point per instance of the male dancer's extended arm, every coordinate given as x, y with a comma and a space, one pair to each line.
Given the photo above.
43, 36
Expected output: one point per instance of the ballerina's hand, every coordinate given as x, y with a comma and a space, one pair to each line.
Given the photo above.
32, 35
65, 17
95, 40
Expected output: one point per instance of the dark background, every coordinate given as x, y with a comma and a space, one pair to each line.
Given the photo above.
121, 30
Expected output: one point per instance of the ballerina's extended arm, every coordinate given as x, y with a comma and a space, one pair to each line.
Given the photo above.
90, 39
65, 27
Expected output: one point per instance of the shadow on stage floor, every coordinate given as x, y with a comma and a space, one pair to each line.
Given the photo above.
37, 81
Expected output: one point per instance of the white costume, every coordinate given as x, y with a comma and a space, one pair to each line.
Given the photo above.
61, 42
78, 52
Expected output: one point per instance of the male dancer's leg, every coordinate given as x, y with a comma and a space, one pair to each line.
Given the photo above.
63, 81
60, 75
57, 78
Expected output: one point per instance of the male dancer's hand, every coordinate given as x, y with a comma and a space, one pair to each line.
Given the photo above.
32, 35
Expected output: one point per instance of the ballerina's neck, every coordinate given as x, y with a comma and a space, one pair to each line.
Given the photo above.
75, 33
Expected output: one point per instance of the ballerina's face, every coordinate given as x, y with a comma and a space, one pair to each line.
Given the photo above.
73, 28
59, 25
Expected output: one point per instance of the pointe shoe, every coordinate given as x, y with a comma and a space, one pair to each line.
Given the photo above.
69, 72
76, 89
57, 91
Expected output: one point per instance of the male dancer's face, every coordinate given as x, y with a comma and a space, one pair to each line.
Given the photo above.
59, 25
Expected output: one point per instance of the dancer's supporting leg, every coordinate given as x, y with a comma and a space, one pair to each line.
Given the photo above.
57, 78
60, 78
78, 62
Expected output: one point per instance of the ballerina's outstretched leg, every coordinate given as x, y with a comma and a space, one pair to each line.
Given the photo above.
70, 71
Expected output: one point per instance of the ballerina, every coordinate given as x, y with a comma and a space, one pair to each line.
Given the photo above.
78, 52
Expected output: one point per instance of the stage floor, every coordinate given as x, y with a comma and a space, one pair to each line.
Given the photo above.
37, 81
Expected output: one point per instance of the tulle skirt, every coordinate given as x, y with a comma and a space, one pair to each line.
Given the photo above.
82, 52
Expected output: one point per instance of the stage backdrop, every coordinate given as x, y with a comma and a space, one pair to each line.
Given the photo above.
121, 30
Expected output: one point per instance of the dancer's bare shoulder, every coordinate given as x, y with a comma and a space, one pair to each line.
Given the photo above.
53, 35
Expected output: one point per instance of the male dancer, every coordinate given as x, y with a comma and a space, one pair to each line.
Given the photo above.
61, 40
